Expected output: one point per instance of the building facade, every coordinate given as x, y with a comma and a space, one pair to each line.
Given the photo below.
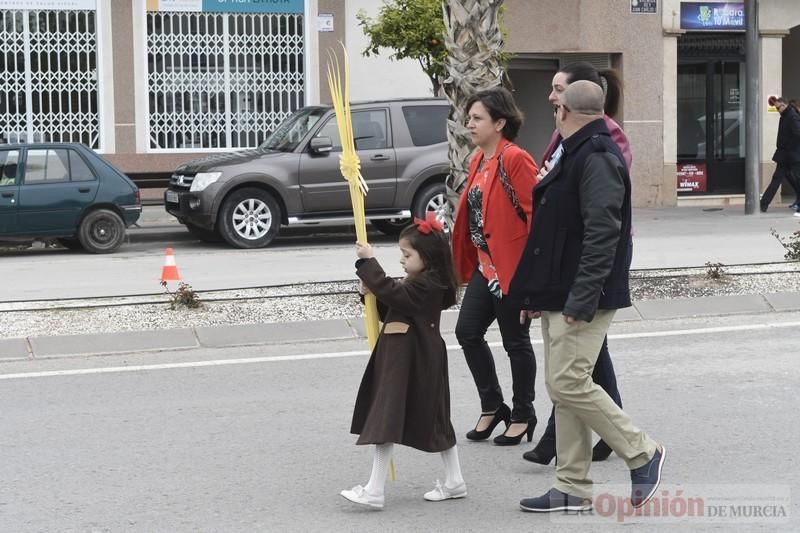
684, 70
153, 83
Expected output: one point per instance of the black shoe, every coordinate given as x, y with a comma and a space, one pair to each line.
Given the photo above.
645, 479
543, 453
763, 208
510, 440
601, 451
555, 500
502, 414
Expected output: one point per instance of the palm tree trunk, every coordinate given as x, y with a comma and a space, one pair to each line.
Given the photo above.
474, 42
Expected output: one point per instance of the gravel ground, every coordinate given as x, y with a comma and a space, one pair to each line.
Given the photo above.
317, 301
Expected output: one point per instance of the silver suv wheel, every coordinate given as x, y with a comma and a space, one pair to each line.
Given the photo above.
438, 204
252, 219
433, 198
249, 218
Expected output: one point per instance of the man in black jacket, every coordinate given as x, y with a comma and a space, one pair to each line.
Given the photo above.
574, 275
787, 155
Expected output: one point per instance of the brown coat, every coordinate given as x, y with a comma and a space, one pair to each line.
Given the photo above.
405, 393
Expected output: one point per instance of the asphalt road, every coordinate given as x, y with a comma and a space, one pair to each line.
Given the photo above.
256, 439
663, 237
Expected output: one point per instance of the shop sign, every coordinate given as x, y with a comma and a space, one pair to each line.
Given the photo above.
708, 16
228, 6
49, 5
641, 7
692, 177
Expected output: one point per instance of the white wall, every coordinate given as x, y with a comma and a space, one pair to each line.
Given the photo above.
379, 77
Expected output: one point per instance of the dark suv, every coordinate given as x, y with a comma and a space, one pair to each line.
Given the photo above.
293, 178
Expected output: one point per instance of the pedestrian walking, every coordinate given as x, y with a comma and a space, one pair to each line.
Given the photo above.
787, 154
603, 374
573, 274
490, 228
404, 397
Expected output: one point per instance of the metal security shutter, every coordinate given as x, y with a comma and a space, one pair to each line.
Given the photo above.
48, 64
222, 80
598, 61
699, 45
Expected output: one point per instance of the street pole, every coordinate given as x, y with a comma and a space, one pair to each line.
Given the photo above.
752, 119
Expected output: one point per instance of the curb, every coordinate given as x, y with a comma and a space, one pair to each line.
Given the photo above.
43, 347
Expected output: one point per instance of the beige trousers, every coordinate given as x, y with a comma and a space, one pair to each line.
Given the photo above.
581, 406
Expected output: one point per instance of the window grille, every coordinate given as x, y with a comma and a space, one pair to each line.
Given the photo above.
48, 64
222, 80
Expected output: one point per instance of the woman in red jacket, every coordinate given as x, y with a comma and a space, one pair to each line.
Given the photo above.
490, 231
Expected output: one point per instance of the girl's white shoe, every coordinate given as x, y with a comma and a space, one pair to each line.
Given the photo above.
359, 494
443, 492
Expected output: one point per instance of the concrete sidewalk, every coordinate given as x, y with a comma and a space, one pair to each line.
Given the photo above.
41, 347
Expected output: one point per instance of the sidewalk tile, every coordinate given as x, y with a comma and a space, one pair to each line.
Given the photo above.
13, 349
357, 325
106, 343
784, 301
450, 318
627, 314
708, 306
217, 336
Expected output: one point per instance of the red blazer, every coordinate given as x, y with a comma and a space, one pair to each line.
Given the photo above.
506, 234
617, 135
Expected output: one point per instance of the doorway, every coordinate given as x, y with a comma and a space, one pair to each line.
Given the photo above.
711, 136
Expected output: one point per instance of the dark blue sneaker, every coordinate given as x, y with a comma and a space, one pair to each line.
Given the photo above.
645, 479
554, 501
795, 206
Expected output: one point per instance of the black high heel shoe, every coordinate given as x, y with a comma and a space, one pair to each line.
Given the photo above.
542, 453
502, 414
507, 440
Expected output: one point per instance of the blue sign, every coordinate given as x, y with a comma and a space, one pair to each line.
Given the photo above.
708, 16
254, 6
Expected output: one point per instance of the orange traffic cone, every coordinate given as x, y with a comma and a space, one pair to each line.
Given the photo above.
170, 270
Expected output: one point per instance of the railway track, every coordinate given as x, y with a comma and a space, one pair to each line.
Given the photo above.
343, 287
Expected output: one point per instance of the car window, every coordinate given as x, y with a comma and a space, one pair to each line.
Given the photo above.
332, 131
46, 166
78, 169
8, 167
293, 129
370, 130
427, 123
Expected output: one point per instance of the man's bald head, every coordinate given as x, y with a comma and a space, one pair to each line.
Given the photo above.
584, 97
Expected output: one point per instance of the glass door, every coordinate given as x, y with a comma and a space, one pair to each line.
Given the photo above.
711, 142
726, 169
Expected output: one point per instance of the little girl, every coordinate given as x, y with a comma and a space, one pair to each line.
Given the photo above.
404, 396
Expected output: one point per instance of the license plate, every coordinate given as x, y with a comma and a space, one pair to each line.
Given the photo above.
172, 197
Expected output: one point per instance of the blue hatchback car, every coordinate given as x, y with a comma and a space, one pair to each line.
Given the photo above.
64, 192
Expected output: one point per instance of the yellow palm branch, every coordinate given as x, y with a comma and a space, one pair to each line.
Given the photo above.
350, 165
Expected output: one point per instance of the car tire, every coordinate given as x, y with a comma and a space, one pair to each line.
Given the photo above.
249, 218
432, 197
101, 231
204, 234
390, 226
70, 243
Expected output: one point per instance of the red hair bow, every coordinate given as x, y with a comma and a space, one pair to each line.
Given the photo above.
429, 224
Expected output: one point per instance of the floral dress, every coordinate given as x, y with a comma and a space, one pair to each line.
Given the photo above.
476, 225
